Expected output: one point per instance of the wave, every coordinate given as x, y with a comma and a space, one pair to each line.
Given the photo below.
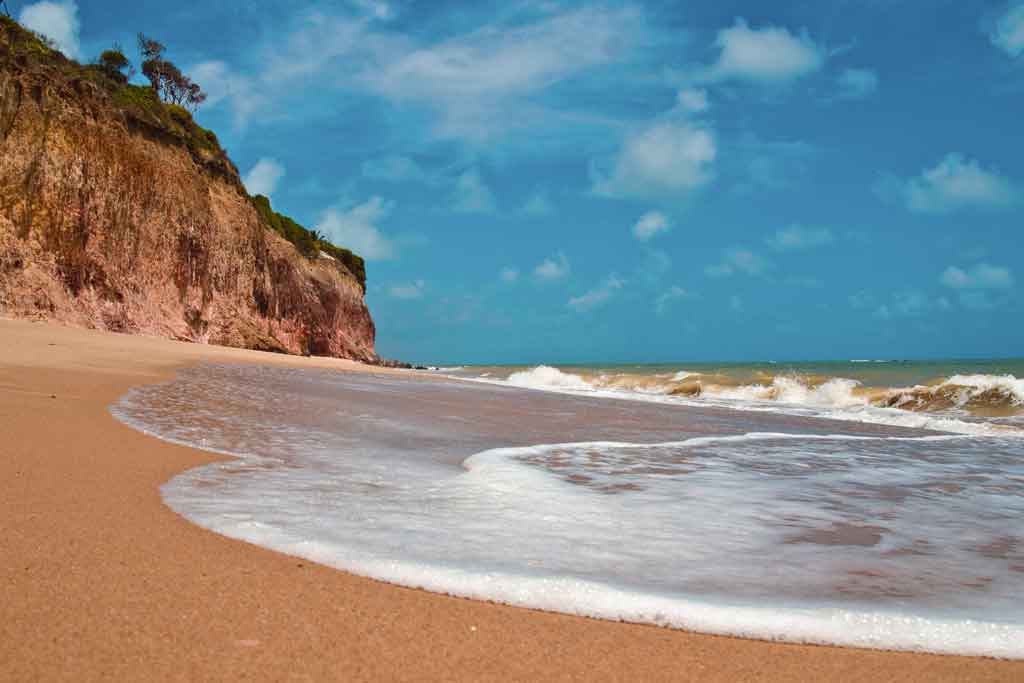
890, 541
959, 403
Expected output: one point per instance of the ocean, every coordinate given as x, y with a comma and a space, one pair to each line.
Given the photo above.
862, 503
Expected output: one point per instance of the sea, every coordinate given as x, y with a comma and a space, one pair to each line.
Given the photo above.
866, 503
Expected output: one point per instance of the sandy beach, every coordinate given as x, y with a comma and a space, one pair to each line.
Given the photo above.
101, 580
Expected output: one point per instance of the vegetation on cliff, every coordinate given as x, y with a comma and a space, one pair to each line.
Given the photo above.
309, 242
161, 110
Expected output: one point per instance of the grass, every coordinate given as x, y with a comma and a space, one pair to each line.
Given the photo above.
308, 242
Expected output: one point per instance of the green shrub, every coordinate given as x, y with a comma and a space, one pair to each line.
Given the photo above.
115, 65
25, 40
179, 114
308, 242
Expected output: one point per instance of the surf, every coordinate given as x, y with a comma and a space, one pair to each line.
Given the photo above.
742, 523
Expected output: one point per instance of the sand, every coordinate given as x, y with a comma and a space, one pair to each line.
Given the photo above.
98, 579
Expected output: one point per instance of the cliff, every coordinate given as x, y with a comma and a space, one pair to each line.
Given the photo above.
118, 212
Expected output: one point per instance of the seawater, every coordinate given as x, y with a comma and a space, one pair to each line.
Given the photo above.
781, 524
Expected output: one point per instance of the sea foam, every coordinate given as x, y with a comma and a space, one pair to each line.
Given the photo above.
940, 407
888, 539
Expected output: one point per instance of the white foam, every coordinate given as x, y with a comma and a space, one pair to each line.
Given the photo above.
547, 377
877, 629
1007, 385
834, 399
701, 533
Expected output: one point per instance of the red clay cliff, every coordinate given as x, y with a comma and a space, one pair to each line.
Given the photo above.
119, 213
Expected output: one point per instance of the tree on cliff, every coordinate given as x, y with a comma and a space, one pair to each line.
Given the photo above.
115, 65
166, 78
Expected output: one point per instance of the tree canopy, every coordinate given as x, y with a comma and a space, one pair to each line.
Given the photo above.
167, 79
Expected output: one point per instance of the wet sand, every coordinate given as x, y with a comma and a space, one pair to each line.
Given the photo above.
98, 579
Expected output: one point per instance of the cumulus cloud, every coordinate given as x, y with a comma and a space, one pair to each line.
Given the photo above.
770, 55
1008, 33
668, 158
957, 183
222, 84
738, 261
770, 164
58, 21
905, 305
473, 84
264, 177
981, 276
856, 84
471, 194
411, 290
552, 268
799, 237
479, 81
377, 9
597, 296
509, 274
673, 293
537, 204
396, 168
651, 224
356, 228
693, 100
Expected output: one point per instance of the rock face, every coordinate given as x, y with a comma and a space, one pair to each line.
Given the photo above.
111, 222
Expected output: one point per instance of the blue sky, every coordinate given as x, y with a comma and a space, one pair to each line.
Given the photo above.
548, 181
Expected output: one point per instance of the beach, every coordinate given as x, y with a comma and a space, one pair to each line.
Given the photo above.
102, 580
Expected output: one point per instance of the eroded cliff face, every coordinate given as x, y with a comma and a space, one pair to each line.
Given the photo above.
108, 222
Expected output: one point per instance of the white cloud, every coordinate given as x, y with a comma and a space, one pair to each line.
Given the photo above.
412, 290
509, 274
856, 84
904, 305
263, 177
957, 183
1008, 34
474, 84
471, 194
376, 9
738, 260
764, 55
480, 81
356, 229
651, 224
317, 39
221, 83
770, 165
673, 293
537, 204
598, 296
552, 268
693, 100
396, 168
799, 237
58, 21
669, 158
981, 276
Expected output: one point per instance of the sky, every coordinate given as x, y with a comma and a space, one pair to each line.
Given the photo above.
553, 182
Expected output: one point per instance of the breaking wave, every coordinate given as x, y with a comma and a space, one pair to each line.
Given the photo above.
966, 403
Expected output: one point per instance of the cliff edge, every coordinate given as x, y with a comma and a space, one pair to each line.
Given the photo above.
118, 212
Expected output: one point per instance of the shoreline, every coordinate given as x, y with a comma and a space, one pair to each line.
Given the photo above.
104, 580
